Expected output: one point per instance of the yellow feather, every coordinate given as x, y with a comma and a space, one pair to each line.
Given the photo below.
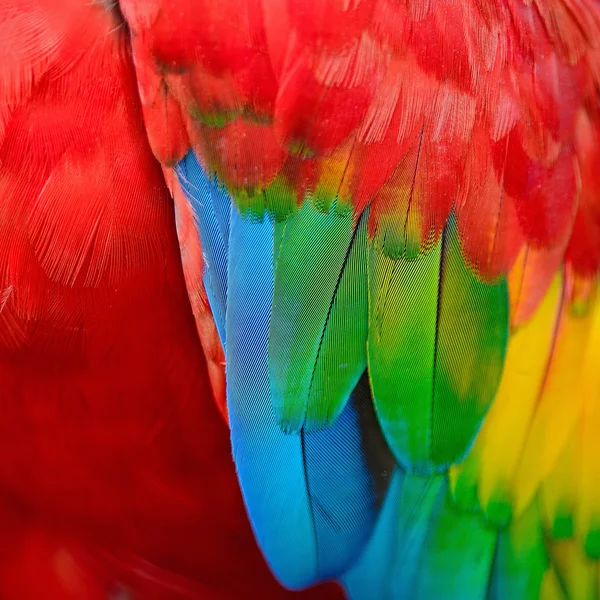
558, 492
588, 516
509, 419
558, 409
550, 588
577, 574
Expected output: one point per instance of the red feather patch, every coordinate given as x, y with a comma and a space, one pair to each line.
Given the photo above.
365, 78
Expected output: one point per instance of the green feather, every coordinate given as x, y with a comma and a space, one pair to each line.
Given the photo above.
318, 330
521, 558
457, 556
281, 198
437, 339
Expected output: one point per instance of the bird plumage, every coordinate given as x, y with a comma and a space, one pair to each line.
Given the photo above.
388, 223
116, 467
413, 200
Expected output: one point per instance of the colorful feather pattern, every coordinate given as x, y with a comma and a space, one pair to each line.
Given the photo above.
414, 188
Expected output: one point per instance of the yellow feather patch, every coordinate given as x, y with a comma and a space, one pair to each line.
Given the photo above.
558, 492
588, 516
577, 574
335, 180
551, 588
558, 409
503, 435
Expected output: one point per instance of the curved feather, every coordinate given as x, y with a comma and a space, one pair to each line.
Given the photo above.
270, 463
211, 207
437, 338
312, 496
320, 302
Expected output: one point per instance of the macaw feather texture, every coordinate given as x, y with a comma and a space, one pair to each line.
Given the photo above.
414, 199
416, 109
388, 215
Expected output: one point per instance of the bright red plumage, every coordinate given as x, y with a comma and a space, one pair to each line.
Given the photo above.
114, 462
423, 106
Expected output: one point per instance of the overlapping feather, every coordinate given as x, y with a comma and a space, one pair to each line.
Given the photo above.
464, 136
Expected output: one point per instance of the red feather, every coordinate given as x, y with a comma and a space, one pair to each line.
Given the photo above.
487, 218
583, 252
365, 78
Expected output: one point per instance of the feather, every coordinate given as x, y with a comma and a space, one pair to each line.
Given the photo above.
500, 440
457, 555
302, 514
583, 251
320, 301
554, 419
431, 165
588, 514
348, 469
551, 588
374, 568
532, 440
269, 462
486, 215
420, 384
192, 263
529, 281
206, 202
521, 561
391, 559
577, 575
559, 491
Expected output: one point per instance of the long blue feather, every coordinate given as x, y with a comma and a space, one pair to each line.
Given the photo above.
312, 498
210, 204
270, 464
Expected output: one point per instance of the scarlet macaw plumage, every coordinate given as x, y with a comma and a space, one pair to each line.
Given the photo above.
399, 208
388, 216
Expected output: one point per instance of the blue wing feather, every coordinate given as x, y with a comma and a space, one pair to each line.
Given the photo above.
347, 477
270, 464
313, 498
209, 203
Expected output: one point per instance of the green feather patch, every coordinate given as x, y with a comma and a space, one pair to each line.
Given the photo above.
457, 556
318, 329
436, 346
521, 558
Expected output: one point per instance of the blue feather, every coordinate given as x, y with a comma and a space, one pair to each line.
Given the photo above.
371, 575
393, 558
270, 464
312, 498
209, 203
424, 548
347, 477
